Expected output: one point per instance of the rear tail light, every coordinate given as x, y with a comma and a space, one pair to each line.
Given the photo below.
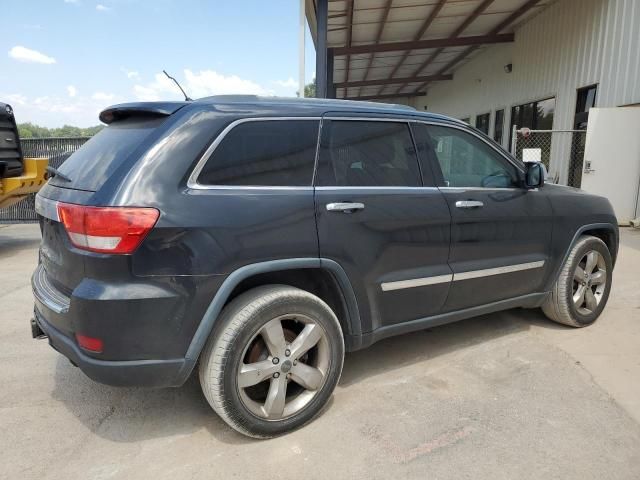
90, 343
107, 229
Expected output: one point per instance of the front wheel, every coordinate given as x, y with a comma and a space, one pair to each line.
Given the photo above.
273, 361
582, 288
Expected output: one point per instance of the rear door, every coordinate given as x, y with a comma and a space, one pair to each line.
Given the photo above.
376, 218
500, 231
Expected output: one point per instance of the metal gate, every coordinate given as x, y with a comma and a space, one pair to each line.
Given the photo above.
57, 150
560, 151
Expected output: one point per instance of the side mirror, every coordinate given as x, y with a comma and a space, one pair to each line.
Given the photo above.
534, 175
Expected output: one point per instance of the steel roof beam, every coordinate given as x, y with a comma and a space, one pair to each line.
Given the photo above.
388, 95
390, 81
424, 44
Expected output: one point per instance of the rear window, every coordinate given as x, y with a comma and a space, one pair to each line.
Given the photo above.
264, 153
97, 159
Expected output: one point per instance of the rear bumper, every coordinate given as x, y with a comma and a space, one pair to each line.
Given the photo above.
139, 373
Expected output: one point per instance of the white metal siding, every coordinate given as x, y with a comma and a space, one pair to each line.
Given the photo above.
571, 44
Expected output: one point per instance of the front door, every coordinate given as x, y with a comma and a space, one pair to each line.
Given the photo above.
500, 231
376, 218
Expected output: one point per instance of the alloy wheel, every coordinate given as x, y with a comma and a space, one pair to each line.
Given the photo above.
589, 282
283, 367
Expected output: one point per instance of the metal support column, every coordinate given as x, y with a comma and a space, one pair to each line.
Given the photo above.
322, 14
331, 88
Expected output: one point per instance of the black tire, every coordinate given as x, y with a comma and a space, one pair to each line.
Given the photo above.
235, 337
560, 306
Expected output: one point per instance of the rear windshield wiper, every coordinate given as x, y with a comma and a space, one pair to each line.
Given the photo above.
56, 173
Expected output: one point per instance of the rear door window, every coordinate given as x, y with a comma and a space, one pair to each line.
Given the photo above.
90, 166
358, 153
264, 153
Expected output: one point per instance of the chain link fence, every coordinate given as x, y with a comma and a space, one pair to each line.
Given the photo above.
57, 150
556, 149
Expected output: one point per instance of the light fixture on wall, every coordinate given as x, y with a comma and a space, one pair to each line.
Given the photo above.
508, 68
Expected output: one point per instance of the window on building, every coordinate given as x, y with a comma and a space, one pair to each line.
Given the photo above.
535, 115
482, 122
467, 161
264, 153
498, 126
367, 154
586, 99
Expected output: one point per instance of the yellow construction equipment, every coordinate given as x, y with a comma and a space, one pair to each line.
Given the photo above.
34, 176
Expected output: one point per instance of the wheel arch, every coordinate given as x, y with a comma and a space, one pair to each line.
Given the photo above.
606, 232
284, 271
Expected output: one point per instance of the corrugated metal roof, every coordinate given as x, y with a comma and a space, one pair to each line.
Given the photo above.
354, 23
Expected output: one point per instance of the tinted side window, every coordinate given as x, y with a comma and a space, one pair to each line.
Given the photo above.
467, 161
264, 153
367, 154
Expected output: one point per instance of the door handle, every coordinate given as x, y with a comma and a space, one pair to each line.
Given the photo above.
469, 204
345, 207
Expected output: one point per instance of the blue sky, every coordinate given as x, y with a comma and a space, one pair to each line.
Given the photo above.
62, 61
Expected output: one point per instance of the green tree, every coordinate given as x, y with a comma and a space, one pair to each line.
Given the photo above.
309, 89
29, 130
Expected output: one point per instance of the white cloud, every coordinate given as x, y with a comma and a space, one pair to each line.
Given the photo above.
102, 8
23, 54
103, 97
288, 83
16, 99
131, 74
197, 84
72, 91
55, 111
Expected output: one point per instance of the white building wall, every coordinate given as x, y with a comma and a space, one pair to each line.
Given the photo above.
571, 44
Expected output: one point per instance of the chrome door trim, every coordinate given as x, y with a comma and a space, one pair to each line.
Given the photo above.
456, 277
497, 270
416, 282
192, 182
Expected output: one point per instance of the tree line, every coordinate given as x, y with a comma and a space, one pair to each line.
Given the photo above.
29, 130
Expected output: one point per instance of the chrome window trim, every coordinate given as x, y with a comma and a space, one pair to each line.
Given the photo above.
432, 122
480, 137
456, 277
342, 187
416, 282
47, 208
368, 119
466, 189
192, 182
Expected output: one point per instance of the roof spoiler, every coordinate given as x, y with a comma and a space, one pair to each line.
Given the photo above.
147, 109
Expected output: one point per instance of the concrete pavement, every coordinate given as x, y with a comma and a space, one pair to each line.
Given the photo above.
502, 396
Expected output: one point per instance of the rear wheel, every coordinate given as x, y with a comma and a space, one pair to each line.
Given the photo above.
273, 361
582, 288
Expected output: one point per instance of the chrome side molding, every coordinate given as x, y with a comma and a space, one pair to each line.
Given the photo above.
456, 277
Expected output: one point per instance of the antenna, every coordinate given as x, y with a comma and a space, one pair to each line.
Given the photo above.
186, 97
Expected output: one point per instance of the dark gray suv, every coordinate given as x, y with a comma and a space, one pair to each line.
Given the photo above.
258, 239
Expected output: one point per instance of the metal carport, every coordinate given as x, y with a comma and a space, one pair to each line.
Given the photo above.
394, 49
